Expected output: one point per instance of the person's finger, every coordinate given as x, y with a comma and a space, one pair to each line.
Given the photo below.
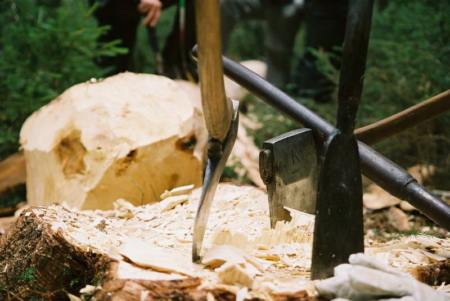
156, 18
149, 16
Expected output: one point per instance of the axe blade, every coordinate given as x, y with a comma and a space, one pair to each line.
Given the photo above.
288, 167
213, 171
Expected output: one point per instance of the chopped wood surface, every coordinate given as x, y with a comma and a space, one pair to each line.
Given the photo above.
144, 253
142, 133
129, 136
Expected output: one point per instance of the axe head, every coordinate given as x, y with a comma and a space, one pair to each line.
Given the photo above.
288, 166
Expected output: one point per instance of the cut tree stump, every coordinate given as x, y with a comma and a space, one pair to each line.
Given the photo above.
433, 274
51, 251
129, 136
144, 253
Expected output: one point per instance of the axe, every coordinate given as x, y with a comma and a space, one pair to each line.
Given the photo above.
375, 166
339, 223
221, 114
288, 163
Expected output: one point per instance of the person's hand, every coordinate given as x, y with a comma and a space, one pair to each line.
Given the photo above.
152, 9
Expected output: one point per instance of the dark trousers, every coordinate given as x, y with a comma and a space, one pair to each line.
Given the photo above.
325, 31
178, 62
123, 18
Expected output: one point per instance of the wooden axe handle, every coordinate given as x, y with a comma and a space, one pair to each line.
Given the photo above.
404, 120
216, 108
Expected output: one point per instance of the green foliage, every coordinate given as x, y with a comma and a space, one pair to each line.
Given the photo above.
45, 49
408, 61
247, 41
28, 275
48, 45
409, 54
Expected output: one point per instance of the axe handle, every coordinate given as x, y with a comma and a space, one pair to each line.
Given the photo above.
404, 120
375, 166
216, 108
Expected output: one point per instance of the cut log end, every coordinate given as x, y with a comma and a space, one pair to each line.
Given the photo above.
50, 252
129, 136
144, 253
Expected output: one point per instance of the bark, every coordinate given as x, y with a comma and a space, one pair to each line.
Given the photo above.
49, 252
433, 274
56, 265
61, 267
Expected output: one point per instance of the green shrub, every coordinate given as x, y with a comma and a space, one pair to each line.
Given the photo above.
408, 61
46, 47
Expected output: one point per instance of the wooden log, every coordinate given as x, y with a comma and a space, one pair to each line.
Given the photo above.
12, 172
433, 274
50, 252
143, 253
12, 184
129, 136
13, 169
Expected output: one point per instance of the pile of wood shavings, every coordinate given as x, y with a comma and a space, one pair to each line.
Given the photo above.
407, 253
239, 217
156, 239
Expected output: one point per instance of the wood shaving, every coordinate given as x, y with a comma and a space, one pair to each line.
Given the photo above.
239, 246
183, 190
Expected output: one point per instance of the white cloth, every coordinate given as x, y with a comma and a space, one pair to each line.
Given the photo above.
367, 279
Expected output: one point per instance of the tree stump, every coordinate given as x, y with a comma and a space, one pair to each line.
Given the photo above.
50, 252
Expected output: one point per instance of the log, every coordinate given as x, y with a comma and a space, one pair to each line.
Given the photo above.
50, 252
144, 252
12, 184
129, 136
12, 172
433, 274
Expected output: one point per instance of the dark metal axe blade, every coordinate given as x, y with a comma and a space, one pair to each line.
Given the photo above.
288, 166
339, 227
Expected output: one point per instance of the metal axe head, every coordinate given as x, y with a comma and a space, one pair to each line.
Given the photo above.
288, 166
213, 171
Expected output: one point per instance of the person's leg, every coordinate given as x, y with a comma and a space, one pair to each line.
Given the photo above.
326, 21
283, 21
171, 51
234, 11
123, 18
178, 62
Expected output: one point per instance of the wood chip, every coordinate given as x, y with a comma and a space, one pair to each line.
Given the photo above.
147, 255
177, 191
